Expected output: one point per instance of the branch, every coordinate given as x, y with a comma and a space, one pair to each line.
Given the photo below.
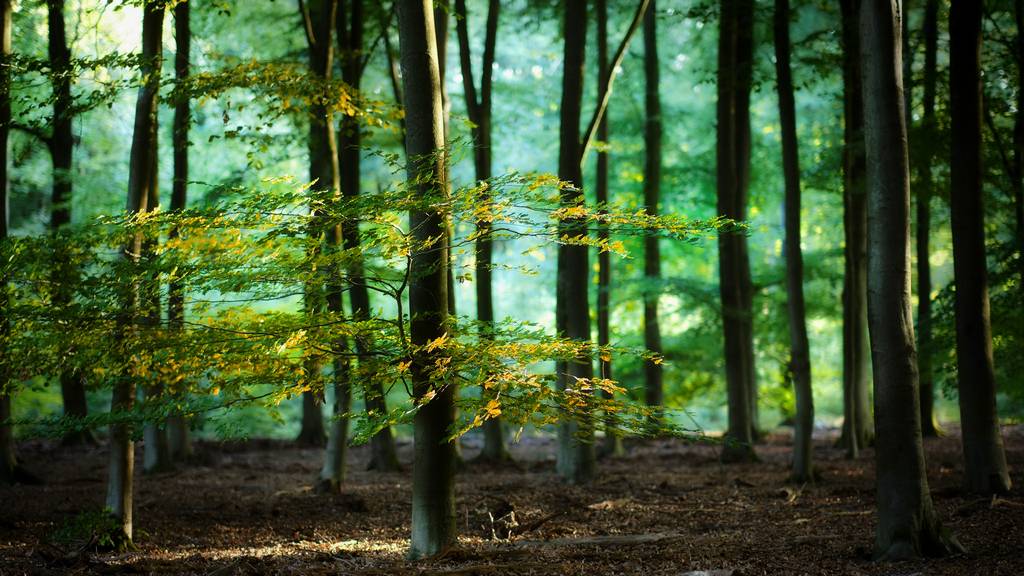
1007, 165
468, 86
588, 136
34, 131
307, 24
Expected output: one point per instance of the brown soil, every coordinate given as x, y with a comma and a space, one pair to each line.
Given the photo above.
666, 508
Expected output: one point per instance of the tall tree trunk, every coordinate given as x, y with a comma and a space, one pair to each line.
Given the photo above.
350, 27
653, 389
732, 152
61, 143
479, 112
433, 499
857, 424
800, 356
141, 178
576, 454
984, 459
156, 456
929, 426
612, 441
1018, 139
178, 426
8, 454
907, 523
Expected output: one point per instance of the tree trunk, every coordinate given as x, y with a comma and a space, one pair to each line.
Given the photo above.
576, 454
929, 426
1018, 139
141, 178
800, 357
61, 143
907, 523
8, 453
984, 459
479, 112
732, 151
612, 441
857, 425
653, 388
178, 426
433, 500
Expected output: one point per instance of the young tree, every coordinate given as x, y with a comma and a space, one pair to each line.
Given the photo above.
984, 459
856, 368
924, 156
735, 47
433, 500
653, 392
800, 357
478, 108
907, 523
177, 426
576, 454
141, 178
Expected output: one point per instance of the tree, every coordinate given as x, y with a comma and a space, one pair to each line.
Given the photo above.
141, 178
907, 523
800, 357
984, 458
1018, 138
735, 47
177, 426
478, 108
8, 454
61, 145
433, 499
925, 184
856, 360
576, 455
653, 389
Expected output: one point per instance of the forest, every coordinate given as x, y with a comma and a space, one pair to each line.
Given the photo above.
688, 287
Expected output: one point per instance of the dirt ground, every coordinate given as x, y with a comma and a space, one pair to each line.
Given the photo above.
665, 508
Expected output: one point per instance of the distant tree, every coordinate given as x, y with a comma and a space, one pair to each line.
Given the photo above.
478, 108
735, 46
984, 458
925, 184
141, 178
857, 427
433, 500
800, 357
908, 526
654, 393
178, 426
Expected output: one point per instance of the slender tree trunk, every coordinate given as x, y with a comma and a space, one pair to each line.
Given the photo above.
178, 426
984, 459
1018, 139
653, 389
61, 144
800, 357
857, 424
433, 500
731, 174
612, 441
576, 454
907, 523
8, 454
141, 178
929, 426
479, 112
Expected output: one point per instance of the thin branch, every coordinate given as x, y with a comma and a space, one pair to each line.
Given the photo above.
307, 24
588, 136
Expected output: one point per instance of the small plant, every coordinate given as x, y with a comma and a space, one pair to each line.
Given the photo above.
90, 531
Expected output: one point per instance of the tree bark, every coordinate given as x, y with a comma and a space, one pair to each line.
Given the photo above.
908, 526
141, 179
857, 426
8, 453
653, 378
433, 501
732, 175
576, 454
929, 426
800, 357
478, 109
984, 458
178, 426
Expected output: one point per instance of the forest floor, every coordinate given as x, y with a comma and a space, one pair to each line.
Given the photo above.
664, 508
